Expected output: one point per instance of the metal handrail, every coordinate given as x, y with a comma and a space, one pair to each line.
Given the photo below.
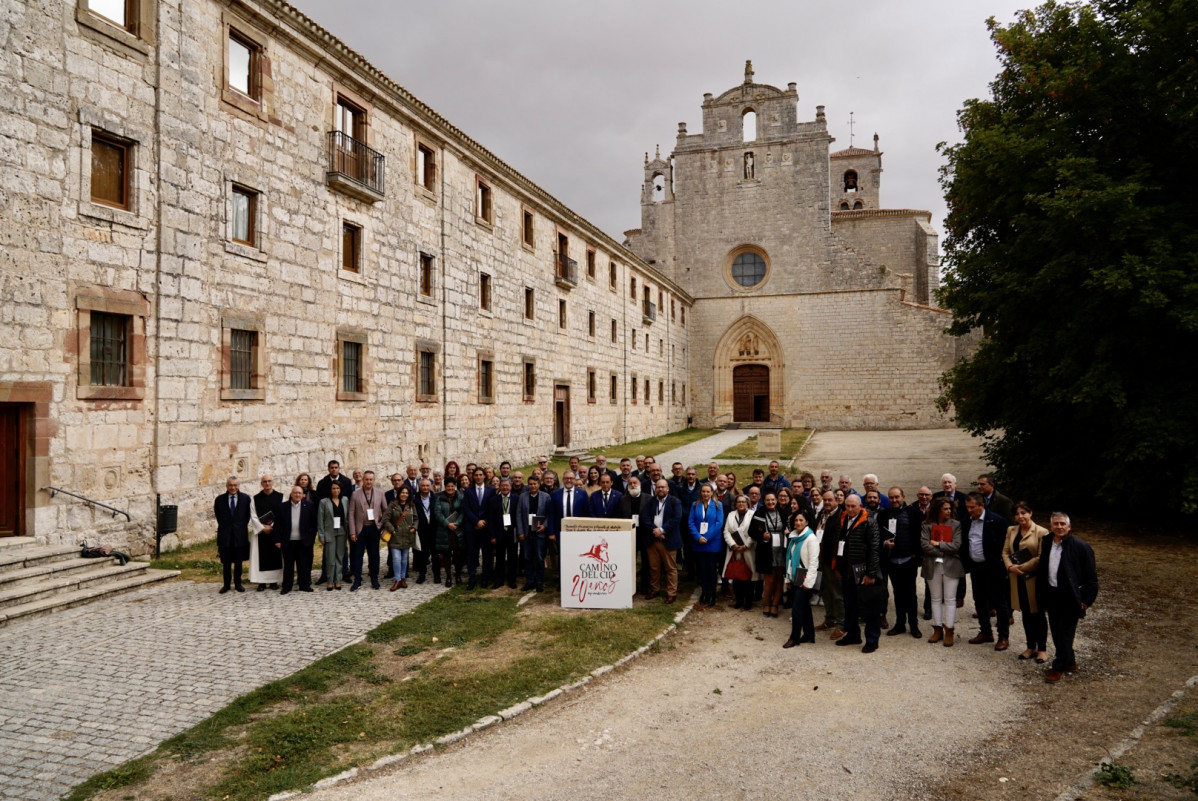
55, 490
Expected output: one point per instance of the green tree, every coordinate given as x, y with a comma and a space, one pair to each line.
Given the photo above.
1072, 246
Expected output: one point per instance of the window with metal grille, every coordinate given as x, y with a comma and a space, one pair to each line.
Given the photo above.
486, 380
110, 349
351, 367
428, 373
243, 359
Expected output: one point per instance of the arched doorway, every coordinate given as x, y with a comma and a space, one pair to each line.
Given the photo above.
751, 393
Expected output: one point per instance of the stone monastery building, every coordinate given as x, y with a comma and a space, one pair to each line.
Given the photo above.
231, 245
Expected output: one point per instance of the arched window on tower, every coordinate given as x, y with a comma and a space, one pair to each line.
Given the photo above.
844, 205
748, 126
659, 188
850, 180
857, 204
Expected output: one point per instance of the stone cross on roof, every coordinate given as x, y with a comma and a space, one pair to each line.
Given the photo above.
748, 71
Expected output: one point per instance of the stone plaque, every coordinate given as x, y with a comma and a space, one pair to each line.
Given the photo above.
769, 441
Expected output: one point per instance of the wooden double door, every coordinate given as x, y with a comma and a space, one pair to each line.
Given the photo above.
751, 393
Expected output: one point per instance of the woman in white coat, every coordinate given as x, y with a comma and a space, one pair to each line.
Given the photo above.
740, 550
802, 563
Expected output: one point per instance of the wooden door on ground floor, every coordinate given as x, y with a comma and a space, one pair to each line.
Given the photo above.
561, 416
12, 470
751, 393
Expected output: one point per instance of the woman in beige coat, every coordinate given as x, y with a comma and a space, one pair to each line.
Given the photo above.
740, 546
1021, 556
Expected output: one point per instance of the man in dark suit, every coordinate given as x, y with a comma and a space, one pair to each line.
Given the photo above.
995, 501
533, 511
426, 533
1066, 587
982, 539
475, 499
232, 510
605, 500
661, 517
501, 528
295, 534
569, 501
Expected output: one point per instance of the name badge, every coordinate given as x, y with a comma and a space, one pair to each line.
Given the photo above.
336, 522
370, 514
532, 519
635, 520
703, 529
840, 548
892, 525
507, 521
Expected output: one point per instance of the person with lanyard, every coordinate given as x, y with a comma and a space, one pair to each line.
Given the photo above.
769, 528
802, 559
501, 527
706, 525
860, 548
331, 527
365, 513
904, 556
532, 529
737, 537
448, 516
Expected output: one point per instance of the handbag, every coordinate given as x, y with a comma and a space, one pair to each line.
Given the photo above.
738, 569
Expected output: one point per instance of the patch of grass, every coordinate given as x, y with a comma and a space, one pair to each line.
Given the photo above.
199, 562
1115, 776
345, 710
1186, 724
1184, 781
792, 443
649, 447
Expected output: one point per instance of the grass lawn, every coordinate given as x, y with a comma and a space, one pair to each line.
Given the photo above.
199, 562
647, 447
792, 442
417, 677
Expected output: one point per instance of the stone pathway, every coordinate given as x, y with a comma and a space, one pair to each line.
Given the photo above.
698, 454
87, 689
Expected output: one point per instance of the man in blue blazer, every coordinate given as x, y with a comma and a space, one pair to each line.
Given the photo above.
295, 534
569, 501
475, 499
232, 509
604, 500
661, 517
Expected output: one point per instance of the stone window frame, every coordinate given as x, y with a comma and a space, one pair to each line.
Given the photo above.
614, 389
485, 370
423, 189
661, 392
648, 396
528, 229
358, 337
592, 262
634, 385
126, 148
252, 249
530, 305
613, 275
527, 363
229, 322
135, 307
92, 121
434, 348
591, 323
682, 315
731, 257
563, 320
358, 275
632, 288
486, 294
134, 39
592, 386
425, 257
484, 203
633, 338
255, 107
615, 331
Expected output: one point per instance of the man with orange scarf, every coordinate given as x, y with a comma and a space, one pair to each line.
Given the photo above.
859, 561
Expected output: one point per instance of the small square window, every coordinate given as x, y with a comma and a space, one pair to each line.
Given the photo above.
591, 263
109, 349
530, 303
482, 202
528, 230
351, 367
530, 380
243, 65
426, 167
111, 170
592, 386
614, 390
426, 388
243, 359
591, 324
486, 380
426, 275
561, 314
484, 292
351, 247
245, 213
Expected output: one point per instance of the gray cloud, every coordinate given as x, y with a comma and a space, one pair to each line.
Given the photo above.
572, 94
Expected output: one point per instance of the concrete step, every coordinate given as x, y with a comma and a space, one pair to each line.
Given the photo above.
32, 554
15, 542
65, 600
37, 588
50, 569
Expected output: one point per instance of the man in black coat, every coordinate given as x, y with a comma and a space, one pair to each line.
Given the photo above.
426, 504
501, 529
232, 510
982, 538
1066, 587
295, 534
994, 500
903, 556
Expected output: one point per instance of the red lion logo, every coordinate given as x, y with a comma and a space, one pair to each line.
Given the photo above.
598, 552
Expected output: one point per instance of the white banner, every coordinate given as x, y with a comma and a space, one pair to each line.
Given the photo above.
598, 563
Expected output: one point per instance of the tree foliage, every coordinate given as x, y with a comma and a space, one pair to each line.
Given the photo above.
1072, 244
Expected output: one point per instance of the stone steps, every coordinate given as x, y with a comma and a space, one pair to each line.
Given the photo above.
39, 579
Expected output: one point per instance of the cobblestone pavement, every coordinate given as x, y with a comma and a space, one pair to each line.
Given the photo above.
85, 690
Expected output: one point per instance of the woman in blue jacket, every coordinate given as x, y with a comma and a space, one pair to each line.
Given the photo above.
707, 531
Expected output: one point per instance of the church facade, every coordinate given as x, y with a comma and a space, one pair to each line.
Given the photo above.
812, 303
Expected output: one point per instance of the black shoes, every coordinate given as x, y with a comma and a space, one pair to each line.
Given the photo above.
239, 588
868, 648
223, 590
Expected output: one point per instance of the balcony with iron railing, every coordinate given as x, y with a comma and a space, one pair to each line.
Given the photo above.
354, 168
566, 273
649, 312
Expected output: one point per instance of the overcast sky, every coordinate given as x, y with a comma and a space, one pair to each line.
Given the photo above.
572, 94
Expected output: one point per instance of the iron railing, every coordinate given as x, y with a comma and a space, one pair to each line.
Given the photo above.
650, 312
55, 490
567, 271
349, 158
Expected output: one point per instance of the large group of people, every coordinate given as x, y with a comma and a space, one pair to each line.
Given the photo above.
775, 542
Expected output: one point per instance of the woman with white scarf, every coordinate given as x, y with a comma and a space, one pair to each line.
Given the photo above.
802, 563
740, 548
